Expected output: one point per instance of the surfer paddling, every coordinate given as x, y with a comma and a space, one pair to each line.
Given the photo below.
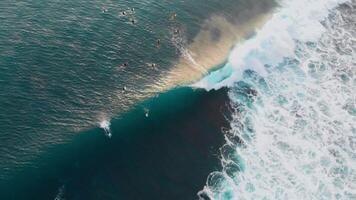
158, 43
173, 17
147, 112
124, 65
129, 13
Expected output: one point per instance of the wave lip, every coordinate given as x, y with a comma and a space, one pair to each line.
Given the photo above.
276, 40
293, 119
210, 47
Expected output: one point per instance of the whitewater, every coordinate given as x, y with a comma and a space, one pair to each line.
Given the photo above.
293, 88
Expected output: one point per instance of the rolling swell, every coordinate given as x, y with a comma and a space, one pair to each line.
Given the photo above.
166, 155
63, 69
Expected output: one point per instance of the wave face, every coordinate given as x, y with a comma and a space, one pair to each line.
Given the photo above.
69, 66
293, 89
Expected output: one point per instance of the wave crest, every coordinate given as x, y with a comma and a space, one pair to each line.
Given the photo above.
294, 124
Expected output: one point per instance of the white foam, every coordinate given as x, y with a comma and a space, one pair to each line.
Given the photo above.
105, 124
295, 20
61, 193
299, 132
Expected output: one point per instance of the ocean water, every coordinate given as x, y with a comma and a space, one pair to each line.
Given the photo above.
73, 74
293, 88
94, 107
162, 156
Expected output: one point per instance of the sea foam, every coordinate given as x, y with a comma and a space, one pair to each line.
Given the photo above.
297, 20
105, 124
294, 136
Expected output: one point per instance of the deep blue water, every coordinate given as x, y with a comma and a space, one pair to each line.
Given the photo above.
167, 155
62, 72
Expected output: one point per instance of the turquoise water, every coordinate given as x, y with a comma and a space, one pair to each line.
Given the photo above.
166, 155
85, 114
64, 65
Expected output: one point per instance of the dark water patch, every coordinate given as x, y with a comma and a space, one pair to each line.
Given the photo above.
166, 155
61, 61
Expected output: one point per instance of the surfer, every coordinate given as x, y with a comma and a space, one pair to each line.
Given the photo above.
153, 65
126, 64
147, 111
158, 43
173, 16
123, 66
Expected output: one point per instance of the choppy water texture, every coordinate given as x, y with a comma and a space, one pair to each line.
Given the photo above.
64, 64
293, 133
92, 108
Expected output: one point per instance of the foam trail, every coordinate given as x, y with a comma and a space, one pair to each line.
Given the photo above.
105, 124
293, 133
61, 193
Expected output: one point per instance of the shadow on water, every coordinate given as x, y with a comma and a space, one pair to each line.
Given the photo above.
167, 155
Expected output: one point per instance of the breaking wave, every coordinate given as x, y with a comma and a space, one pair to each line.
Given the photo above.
293, 88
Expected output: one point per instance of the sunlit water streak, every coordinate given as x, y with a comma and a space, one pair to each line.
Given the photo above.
294, 134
